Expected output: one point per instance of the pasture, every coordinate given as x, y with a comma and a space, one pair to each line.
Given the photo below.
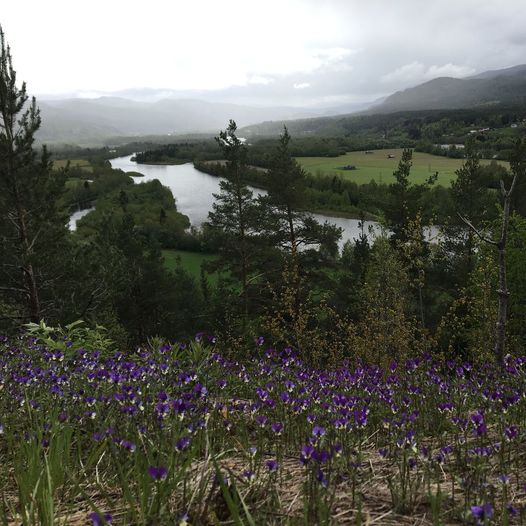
189, 261
378, 166
84, 165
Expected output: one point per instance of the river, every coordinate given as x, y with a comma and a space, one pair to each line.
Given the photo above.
193, 191
75, 216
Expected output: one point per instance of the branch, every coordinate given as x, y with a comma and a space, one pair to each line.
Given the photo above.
477, 232
507, 194
13, 289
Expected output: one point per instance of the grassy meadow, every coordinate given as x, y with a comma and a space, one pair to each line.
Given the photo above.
378, 166
190, 261
84, 165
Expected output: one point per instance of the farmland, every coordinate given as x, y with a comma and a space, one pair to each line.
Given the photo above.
378, 166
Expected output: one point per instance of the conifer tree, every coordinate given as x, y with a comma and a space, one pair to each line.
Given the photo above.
32, 226
234, 217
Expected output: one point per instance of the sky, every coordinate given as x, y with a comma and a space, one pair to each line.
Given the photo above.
264, 52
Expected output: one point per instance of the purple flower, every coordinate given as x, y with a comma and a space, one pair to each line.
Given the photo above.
320, 477
277, 428
481, 513
480, 430
337, 449
99, 520
182, 444
248, 474
322, 456
318, 431
260, 340
157, 472
511, 432
129, 446
261, 420
477, 419
306, 453
272, 465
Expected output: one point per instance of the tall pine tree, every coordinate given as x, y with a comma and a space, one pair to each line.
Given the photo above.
31, 225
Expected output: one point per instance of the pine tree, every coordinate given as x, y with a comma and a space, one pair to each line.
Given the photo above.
234, 217
293, 227
32, 227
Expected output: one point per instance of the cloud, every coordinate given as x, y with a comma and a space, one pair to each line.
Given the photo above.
333, 54
405, 74
302, 85
415, 72
449, 70
259, 79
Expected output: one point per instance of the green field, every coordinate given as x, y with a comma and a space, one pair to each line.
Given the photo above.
85, 166
379, 167
190, 261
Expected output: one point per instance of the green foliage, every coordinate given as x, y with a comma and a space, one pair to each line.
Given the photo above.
386, 329
70, 338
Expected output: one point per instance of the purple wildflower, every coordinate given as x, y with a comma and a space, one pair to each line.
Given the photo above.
248, 474
511, 432
157, 472
318, 431
277, 428
99, 520
182, 444
481, 513
272, 465
129, 446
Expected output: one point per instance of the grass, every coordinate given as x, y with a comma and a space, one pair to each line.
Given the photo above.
379, 167
191, 262
73, 163
73, 182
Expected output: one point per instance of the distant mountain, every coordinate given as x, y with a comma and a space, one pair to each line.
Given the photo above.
505, 86
507, 72
90, 121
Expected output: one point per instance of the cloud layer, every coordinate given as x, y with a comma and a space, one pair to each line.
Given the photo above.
295, 52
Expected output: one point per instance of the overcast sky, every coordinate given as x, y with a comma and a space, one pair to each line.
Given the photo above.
259, 51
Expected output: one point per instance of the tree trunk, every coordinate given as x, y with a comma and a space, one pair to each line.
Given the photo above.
503, 293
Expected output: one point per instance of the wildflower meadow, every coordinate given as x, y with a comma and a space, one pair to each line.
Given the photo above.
179, 434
